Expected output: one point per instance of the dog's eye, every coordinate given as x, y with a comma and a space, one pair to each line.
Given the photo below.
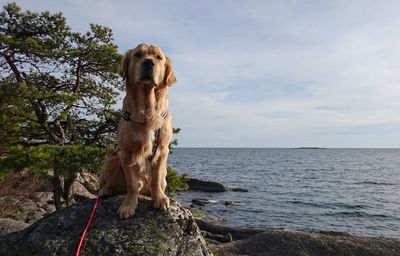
138, 55
159, 57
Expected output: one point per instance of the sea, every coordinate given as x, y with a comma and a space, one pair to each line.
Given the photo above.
356, 191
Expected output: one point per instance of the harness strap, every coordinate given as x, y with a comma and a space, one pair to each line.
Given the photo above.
155, 144
127, 117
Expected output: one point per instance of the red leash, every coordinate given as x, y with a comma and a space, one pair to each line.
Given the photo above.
117, 165
87, 227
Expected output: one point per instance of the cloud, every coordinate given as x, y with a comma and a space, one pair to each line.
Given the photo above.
267, 73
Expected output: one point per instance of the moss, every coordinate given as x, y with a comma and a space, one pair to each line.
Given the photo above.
159, 236
197, 214
214, 249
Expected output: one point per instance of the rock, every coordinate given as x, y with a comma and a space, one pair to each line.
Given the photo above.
238, 190
208, 186
149, 232
207, 217
236, 233
9, 225
20, 208
203, 201
289, 243
89, 181
42, 198
211, 186
220, 238
49, 208
79, 192
229, 202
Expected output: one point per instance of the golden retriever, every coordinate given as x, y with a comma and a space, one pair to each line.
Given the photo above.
139, 164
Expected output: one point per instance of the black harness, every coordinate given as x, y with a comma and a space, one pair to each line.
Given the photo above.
127, 117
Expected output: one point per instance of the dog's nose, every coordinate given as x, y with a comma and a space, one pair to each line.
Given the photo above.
148, 63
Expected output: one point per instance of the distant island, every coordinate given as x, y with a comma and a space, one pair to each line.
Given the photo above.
310, 148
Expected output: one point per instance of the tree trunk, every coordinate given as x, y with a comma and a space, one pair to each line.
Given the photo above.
67, 193
58, 191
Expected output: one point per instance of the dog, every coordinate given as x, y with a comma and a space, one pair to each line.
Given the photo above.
139, 163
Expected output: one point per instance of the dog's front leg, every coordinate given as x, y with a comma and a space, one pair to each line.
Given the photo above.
128, 206
158, 182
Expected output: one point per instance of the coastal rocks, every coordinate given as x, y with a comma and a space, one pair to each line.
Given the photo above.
207, 186
9, 225
80, 192
289, 243
211, 186
238, 190
149, 232
30, 205
89, 181
204, 201
235, 233
20, 208
44, 200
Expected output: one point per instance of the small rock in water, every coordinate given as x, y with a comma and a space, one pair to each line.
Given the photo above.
203, 201
239, 190
228, 202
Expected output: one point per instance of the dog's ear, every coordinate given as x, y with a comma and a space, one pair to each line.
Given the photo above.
169, 77
123, 70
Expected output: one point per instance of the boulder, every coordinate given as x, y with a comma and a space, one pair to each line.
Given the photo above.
20, 208
89, 181
149, 232
211, 186
80, 192
234, 232
238, 189
9, 225
203, 201
290, 243
208, 186
44, 200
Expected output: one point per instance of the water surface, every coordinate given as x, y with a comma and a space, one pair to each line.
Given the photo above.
345, 190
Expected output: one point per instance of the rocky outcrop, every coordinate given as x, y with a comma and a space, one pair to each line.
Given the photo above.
9, 226
235, 233
211, 186
29, 206
208, 186
289, 243
20, 208
149, 232
89, 181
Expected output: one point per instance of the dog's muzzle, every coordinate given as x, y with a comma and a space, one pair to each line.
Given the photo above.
148, 70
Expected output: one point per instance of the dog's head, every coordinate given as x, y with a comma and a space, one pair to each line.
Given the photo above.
147, 66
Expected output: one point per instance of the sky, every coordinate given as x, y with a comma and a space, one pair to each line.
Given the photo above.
279, 73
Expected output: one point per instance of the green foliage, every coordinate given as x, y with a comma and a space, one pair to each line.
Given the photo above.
176, 182
56, 86
57, 92
61, 159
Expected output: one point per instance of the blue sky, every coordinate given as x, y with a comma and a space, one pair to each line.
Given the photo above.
266, 73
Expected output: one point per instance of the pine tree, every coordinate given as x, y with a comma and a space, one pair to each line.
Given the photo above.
57, 89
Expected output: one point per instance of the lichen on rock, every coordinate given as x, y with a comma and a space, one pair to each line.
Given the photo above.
149, 232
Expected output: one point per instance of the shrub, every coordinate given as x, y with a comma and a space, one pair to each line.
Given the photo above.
176, 182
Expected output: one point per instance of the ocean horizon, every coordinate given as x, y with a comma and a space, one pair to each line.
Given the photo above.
352, 190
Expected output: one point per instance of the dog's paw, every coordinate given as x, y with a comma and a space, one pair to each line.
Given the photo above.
127, 208
105, 191
161, 202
